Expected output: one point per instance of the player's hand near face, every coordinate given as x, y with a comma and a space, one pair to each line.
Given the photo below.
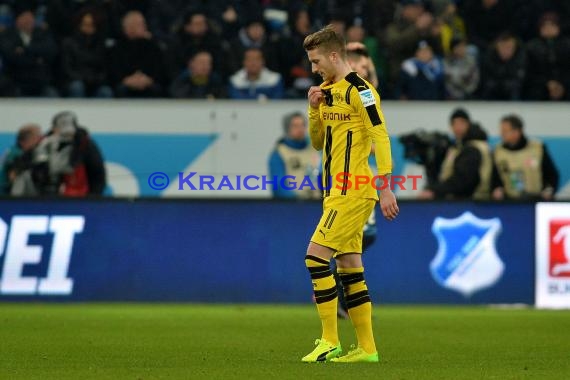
315, 96
388, 204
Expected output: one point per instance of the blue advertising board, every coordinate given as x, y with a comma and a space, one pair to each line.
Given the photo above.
253, 251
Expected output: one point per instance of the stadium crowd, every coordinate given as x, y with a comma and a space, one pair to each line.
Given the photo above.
247, 49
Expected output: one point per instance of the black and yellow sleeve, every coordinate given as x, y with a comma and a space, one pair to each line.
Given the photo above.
367, 105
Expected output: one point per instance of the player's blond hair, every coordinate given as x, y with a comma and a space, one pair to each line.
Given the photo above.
326, 39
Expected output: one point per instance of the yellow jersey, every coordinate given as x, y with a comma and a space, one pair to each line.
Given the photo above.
344, 127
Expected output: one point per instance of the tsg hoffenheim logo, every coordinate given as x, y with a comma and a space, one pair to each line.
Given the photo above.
467, 260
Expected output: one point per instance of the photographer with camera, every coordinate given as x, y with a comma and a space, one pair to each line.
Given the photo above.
15, 178
67, 161
467, 167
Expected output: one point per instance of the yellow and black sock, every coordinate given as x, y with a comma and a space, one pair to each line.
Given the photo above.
326, 297
359, 305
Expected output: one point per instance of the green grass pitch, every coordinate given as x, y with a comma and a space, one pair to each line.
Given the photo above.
163, 341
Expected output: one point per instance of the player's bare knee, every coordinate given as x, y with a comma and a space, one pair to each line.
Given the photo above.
319, 251
313, 262
349, 260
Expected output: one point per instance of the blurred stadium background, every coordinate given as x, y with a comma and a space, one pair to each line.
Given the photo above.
154, 279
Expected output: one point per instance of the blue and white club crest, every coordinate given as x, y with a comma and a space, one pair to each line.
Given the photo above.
467, 260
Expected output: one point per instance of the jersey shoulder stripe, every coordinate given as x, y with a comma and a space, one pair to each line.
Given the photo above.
366, 96
356, 81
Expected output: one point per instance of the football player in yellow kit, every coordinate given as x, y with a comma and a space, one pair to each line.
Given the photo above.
344, 119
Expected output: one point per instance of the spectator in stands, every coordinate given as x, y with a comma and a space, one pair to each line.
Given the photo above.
294, 156
254, 80
67, 161
196, 35
466, 170
29, 55
198, 81
485, 20
83, 61
15, 177
253, 35
275, 15
461, 72
165, 17
562, 8
116, 10
6, 83
381, 14
452, 25
244, 24
523, 168
296, 67
126, 6
61, 16
6, 15
6, 22
421, 77
345, 13
227, 15
525, 16
339, 22
412, 24
137, 61
357, 34
548, 62
503, 71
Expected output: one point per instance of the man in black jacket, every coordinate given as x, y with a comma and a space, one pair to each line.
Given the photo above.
548, 63
84, 69
503, 70
29, 54
137, 62
467, 167
485, 19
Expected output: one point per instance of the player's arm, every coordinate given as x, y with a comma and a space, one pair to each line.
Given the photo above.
368, 107
316, 130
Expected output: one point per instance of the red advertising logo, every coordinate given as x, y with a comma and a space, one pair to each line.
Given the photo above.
559, 248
